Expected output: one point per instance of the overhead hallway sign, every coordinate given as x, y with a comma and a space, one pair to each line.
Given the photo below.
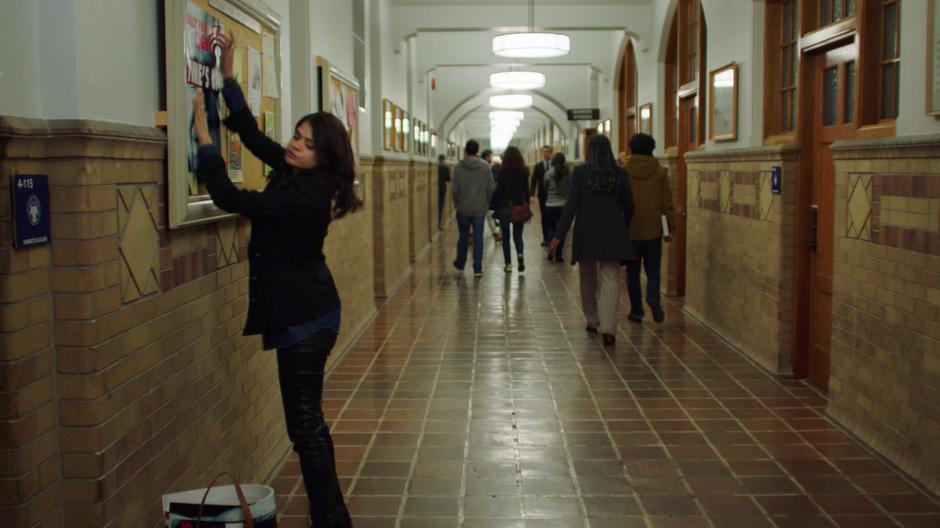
584, 114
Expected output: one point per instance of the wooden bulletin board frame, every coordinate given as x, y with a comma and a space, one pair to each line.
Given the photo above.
726, 103
645, 124
932, 94
251, 21
388, 116
339, 95
404, 129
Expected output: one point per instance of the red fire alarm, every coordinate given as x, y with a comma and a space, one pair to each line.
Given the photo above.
433, 83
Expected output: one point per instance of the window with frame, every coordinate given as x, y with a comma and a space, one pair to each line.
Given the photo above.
781, 74
832, 11
880, 50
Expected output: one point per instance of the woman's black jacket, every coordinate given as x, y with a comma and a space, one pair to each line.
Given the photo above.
289, 282
512, 188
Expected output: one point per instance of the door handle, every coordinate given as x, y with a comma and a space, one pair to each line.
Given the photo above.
813, 227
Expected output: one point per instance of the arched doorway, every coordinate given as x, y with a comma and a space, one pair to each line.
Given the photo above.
626, 98
683, 115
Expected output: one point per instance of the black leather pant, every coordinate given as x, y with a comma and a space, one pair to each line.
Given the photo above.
300, 371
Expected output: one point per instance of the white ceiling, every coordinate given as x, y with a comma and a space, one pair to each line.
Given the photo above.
452, 39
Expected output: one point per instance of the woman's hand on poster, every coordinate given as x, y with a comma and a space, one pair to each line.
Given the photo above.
200, 122
228, 55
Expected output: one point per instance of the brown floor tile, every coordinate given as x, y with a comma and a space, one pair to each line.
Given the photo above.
483, 403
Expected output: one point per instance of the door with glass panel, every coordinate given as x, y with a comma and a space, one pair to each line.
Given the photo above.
833, 114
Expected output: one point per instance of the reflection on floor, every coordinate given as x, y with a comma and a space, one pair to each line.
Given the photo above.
484, 403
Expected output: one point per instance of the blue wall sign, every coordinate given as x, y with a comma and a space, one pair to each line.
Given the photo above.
30, 209
775, 180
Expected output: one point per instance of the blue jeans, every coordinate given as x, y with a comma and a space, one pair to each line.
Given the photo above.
463, 227
553, 215
649, 254
504, 223
441, 196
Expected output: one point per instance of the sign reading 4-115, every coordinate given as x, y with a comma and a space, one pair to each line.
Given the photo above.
30, 202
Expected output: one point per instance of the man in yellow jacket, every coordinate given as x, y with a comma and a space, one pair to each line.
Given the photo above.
652, 197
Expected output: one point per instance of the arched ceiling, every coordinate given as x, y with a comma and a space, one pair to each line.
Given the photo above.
452, 39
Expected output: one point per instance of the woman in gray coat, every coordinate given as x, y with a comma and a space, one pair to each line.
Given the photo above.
600, 197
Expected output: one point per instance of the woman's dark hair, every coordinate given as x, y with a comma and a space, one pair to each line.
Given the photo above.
642, 144
603, 175
512, 159
560, 166
335, 159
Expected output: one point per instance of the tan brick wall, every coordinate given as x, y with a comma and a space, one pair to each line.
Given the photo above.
739, 250
349, 254
390, 224
29, 463
668, 284
419, 208
123, 368
885, 357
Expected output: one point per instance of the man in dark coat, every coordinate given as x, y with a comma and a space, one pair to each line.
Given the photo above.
539, 189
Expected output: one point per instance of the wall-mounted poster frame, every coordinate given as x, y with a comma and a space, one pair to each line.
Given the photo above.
388, 115
403, 135
933, 58
723, 103
192, 50
339, 95
397, 113
645, 121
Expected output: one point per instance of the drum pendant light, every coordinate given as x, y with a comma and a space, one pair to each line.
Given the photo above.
531, 44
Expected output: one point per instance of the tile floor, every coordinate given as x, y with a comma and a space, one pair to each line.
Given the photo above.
483, 403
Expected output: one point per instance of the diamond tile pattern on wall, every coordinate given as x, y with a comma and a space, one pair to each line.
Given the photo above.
226, 242
139, 246
695, 193
725, 192
858, 224
766, 196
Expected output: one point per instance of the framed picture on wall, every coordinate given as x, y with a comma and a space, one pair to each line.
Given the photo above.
388, 125
933, 58
339, 95
645, 123
399, 144
193, 50
723, 103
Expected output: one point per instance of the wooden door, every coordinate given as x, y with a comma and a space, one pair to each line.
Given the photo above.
688, 140
588, 134
834, 114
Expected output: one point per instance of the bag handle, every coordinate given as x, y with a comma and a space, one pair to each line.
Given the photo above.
242, 501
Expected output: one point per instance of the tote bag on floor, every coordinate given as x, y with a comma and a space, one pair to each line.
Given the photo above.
233, 506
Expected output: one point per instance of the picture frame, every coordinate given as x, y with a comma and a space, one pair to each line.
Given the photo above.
405, 131
723, 103
645, 119
193, 48
932, 93
388, 127
339, 95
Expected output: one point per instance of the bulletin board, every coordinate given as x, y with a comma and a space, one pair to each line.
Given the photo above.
193, 50
339, 95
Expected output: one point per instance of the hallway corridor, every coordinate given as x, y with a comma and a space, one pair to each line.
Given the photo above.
483, 403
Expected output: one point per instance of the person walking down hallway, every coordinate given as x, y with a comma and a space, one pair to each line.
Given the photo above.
557, 183
443, 177
601, 200
512, 190
292, 299
650, 184
472, 189
539, 190
487, 156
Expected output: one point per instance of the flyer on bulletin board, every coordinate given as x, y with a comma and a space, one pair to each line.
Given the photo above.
267, 66
254, 81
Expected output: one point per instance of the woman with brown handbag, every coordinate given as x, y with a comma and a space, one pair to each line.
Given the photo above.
512, 203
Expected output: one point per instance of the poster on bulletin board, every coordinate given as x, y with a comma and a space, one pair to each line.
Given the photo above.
193, 39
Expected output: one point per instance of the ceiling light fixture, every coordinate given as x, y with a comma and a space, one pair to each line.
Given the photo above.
531, 44
517, 80
507, 114
511, 101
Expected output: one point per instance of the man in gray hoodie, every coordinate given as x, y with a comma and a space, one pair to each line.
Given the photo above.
472, 187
